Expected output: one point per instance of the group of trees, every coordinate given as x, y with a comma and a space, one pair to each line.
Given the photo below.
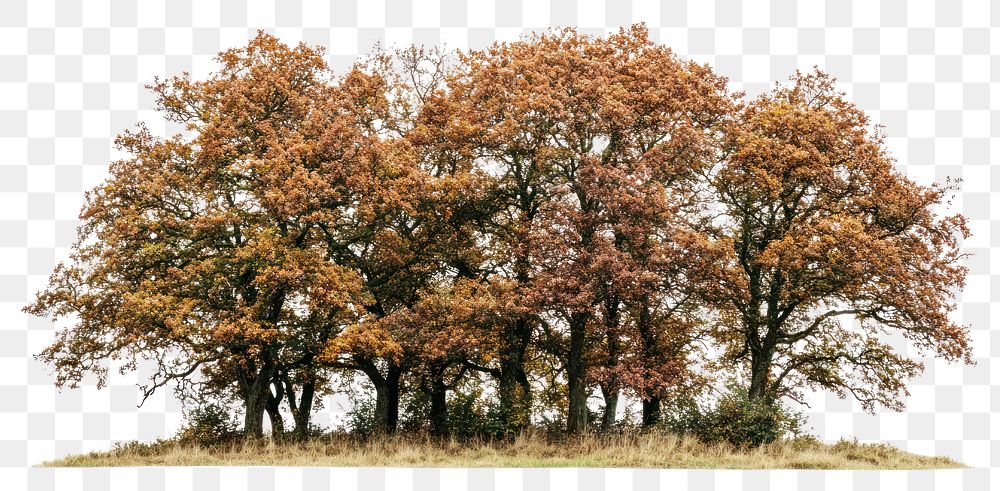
543, 220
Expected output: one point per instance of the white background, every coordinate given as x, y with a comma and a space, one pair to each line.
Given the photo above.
72, 76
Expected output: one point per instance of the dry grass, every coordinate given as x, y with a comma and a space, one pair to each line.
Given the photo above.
650, 450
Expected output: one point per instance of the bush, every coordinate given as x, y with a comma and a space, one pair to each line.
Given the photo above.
360, 419
735, 419
208, 425
468, 416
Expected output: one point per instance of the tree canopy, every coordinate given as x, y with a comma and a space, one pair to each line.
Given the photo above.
505, 232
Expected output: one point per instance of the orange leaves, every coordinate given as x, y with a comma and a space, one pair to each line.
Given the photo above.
823, 227
369, 340
209, 243
474, 215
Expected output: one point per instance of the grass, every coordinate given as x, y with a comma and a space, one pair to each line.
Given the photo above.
646, 450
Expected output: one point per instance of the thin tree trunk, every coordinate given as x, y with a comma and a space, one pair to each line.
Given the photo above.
381, 395
259, 393
303, 414
513, 387
610, 389
651, 403
273, 409
381, 405
611, 395
386, 396
576, 373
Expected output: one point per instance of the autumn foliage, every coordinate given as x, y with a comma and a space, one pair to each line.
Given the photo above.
541, 229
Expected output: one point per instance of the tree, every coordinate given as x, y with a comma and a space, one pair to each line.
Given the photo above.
565, 122
559, 214
822, 226
448, 333
412, 218
206, 251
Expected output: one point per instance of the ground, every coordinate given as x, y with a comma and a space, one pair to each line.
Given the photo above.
648, 450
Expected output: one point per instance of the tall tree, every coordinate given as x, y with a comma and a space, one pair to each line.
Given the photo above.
823, 227
412, 212
206, 249
492, 107
563, 121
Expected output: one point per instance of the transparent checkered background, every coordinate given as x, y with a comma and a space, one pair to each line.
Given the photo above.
72, 76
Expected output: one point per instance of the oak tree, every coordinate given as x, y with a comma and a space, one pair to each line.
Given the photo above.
566, 123
205, 250
823, 228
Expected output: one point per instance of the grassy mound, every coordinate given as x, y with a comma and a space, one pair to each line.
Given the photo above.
641, 450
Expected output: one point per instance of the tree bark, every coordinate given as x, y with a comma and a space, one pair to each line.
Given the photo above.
611, 395
576, 372
513, 387
381, 405
273, 409
392, 398
381, 395
439, 408
300, 405
651, 411
257, 394
610, 389
651, 403
386, 396
760, 370
303, 414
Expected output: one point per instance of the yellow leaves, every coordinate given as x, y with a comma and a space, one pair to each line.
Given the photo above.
366, 339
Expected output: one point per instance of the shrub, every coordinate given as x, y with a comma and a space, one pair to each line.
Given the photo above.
735, 419
414, 411
207, 425
469, 416
360, 419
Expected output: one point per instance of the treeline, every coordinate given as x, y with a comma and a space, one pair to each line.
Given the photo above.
526, 228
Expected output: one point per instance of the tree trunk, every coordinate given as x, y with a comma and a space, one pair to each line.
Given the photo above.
386, 395
651, 403
258, 394
392, 398
439, 408
256, 398
381, 395
303, 413
381, 405
610, 389
760, 370
273, 409
513, 387
576, 373
650, 411
610, 408
277, 421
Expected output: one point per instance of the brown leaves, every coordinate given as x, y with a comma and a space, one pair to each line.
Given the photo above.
414, 212
824, 226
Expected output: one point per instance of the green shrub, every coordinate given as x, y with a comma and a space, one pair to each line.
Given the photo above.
735, 419
208, 425
360, 419
469, 416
